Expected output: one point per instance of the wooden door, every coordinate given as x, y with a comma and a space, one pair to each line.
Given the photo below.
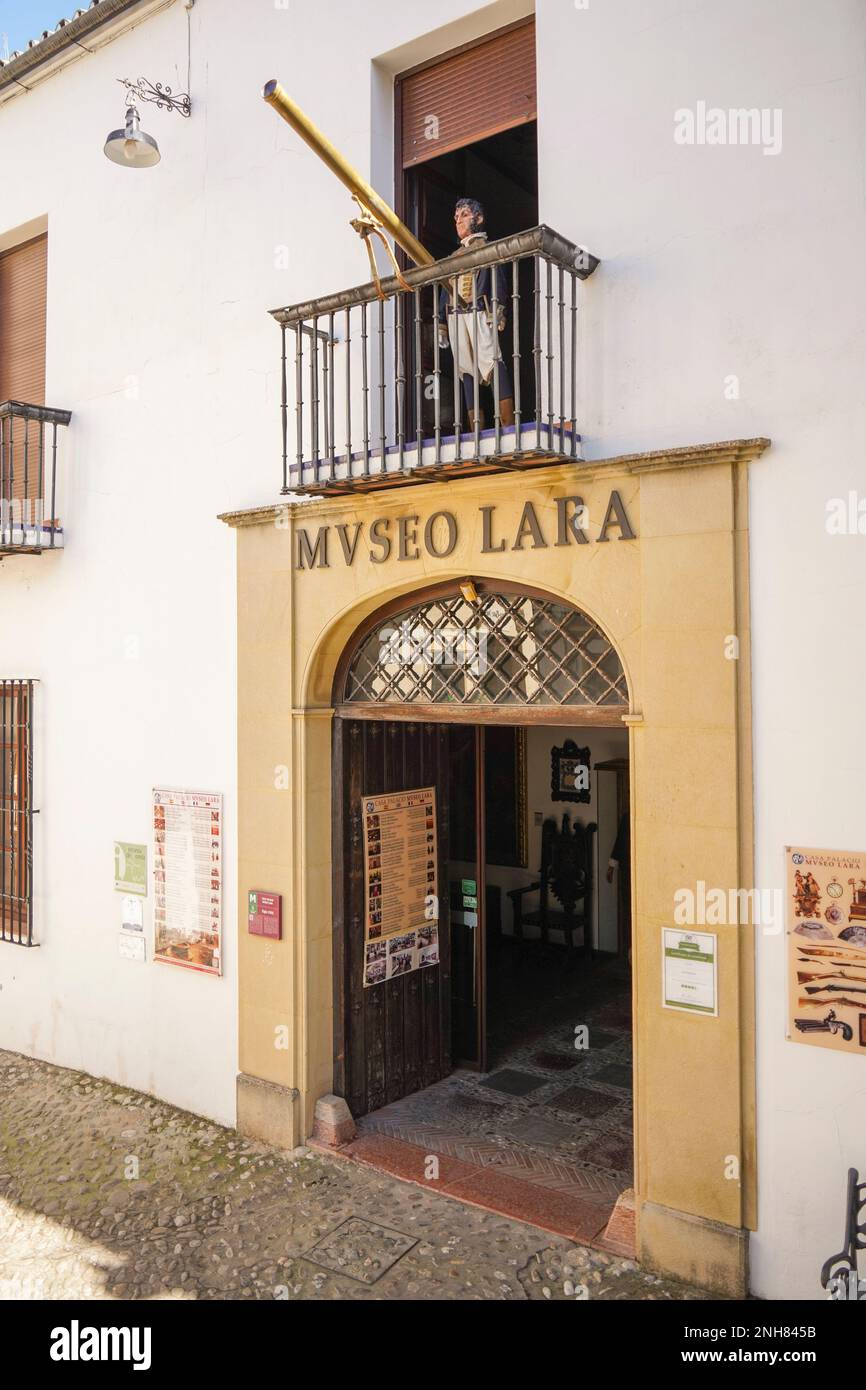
23, 288
392, 1038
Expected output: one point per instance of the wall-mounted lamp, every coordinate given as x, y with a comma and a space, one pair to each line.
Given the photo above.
132, 147
469, 591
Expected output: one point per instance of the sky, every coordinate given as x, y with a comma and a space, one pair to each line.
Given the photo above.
21, 20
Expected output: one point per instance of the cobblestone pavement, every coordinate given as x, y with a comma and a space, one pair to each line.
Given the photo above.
107, 1193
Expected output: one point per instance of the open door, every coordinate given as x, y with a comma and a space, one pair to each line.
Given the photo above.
394, 1037
466, 896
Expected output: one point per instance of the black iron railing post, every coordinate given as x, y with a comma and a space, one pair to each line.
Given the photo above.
476, 383
400, 348
419, 381
536, 352
455, 352
284, 408
349, 392
573, 364
515, 355
497, 410
299, 399
437, 374
383, 423
365, 389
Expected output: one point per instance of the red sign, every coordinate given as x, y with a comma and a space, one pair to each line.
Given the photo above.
266, 915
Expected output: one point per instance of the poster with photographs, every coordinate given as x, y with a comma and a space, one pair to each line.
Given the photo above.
826, 934
399, 877
187, 879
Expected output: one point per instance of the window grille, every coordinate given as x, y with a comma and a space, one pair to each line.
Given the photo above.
506, 649
16, 811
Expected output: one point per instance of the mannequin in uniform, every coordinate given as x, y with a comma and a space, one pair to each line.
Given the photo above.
473, 319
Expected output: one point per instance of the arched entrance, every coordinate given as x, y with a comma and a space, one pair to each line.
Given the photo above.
468, 721
668, 594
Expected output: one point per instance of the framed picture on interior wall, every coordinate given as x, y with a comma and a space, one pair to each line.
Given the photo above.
569, 773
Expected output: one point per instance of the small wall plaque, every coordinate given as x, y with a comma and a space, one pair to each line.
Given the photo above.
266, 914
130, 947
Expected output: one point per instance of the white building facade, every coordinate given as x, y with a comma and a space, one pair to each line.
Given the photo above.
728, 305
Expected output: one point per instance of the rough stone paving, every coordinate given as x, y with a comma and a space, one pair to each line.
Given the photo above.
212, 1216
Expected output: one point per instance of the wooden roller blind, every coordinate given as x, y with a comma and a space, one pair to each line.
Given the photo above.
23, 285
468, 96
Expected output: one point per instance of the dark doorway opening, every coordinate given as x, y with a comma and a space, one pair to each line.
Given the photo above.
501, 172
514, 1053
538, 890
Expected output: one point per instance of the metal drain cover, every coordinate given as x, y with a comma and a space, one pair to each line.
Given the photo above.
361, 1250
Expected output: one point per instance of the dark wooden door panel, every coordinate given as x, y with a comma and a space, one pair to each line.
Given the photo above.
393, 1038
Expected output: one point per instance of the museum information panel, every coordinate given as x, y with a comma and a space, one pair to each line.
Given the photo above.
401, 912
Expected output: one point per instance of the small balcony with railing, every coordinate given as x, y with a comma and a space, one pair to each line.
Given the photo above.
29, 501
467, 365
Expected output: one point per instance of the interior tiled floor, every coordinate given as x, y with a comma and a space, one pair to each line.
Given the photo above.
546, 1134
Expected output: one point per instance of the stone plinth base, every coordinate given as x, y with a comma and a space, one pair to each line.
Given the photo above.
268, 1112
692, 1248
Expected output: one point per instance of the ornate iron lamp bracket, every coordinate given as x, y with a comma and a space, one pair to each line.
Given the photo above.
145, 90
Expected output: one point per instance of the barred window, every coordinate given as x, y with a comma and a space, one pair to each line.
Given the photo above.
16, 811
504, 649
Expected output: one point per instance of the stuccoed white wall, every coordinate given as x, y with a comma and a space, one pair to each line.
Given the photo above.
717, 262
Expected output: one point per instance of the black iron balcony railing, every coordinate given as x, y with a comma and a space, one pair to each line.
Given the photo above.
28, 478
387, 385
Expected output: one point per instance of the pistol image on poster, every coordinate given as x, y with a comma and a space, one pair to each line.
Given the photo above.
830, 1024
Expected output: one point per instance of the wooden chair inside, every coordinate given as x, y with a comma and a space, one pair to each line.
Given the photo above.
564, 887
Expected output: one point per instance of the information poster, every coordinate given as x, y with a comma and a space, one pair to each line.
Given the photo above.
689, 971
130, 868
826, 935
187, 877
401, 929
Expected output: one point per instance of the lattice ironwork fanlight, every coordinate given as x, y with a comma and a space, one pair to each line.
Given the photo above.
505, 649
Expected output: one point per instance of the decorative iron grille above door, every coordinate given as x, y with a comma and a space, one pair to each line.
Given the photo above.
506, 648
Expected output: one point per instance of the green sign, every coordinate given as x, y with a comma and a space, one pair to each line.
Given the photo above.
130, 868
469, 900
468, 885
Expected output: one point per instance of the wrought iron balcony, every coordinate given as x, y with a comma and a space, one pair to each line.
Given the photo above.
377, 390
28, 478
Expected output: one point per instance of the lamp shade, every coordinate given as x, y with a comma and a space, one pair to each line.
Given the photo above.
131, 147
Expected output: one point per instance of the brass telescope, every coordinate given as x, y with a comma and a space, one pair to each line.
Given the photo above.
358, 187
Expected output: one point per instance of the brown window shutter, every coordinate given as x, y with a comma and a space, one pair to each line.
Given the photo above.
474, 93
23, 287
